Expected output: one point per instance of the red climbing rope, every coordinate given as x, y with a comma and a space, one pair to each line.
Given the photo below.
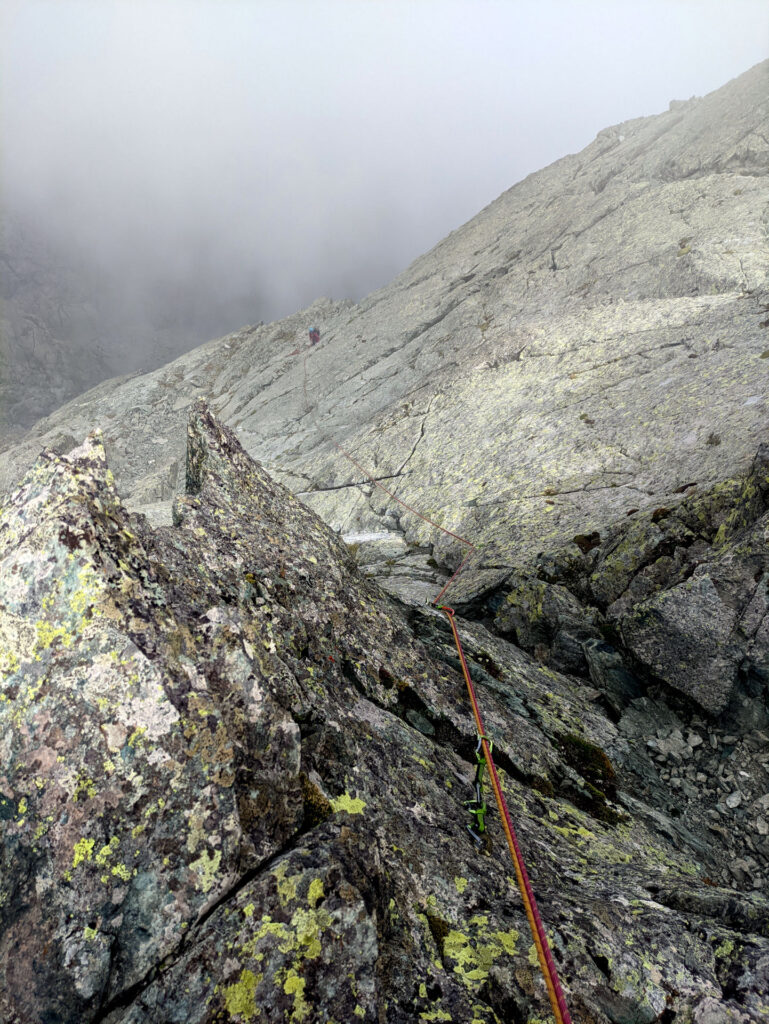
544, 955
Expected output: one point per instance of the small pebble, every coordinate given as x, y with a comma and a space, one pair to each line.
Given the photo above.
740, 869
734, 799
690, 791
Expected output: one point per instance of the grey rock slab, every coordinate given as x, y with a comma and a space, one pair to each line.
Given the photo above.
684, 636
512, 403
699, 634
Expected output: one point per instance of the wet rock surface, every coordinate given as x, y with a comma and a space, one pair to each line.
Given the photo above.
233, 774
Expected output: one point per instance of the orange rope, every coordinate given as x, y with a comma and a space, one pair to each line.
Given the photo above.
546, 963
544, 955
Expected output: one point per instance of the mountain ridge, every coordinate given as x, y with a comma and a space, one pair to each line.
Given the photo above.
235, 746
484, 316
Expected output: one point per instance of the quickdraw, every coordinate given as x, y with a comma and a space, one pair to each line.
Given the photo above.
477, 806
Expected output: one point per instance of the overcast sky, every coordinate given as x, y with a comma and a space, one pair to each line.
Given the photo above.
274, 152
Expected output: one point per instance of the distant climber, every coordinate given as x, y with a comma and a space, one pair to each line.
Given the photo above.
314, 335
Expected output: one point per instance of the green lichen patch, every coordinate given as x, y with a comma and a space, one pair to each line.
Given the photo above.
239, 998
471, 955
348, 804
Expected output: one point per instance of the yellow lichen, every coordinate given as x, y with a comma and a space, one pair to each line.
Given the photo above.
295, 986
46, 634
107, 851
206, 868
315, 892
726, 947
458, 948
9, 663
83, 850
136, 736
508, 940
286, 883
308, 926
85, 788
345, 802
239, 998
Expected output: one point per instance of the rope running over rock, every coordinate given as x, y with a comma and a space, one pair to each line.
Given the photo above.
544, 955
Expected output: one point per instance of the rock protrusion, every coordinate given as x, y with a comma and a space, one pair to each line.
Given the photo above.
233, 777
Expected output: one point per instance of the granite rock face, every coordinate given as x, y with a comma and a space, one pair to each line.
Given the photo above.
593, 341
232, 775
684, 590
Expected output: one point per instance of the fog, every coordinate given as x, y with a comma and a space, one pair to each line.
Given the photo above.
196, 166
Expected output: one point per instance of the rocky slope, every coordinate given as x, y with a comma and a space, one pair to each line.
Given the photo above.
591, 342
233, 770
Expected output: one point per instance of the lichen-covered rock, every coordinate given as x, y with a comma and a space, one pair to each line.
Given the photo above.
690, 635
548, 620
232, 777
707, 625
644, 543
106, 768
678, 594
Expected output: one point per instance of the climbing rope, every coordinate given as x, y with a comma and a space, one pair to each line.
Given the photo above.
541, 943
484, 760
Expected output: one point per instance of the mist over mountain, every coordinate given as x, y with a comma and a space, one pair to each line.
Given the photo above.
595, 335
176, 171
